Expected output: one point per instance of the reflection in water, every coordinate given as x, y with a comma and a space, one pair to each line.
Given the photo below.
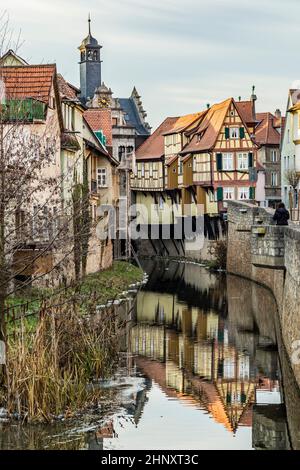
200, 370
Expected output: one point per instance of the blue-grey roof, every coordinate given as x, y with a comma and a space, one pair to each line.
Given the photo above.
133, 118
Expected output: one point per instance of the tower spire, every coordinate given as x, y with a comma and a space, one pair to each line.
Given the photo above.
89, 21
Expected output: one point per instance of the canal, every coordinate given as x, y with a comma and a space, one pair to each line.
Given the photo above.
202, 367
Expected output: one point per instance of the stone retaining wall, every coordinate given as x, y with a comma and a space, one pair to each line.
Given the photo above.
269, 255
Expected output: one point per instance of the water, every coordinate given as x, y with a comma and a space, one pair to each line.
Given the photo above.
199, 369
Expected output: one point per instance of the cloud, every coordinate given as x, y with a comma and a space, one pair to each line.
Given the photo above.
180, 54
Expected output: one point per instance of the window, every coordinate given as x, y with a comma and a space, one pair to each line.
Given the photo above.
180, 167
195, 164
212, 196
243, 161
274, 178
284, 163
274, 156
243, 193
101, 178
143, 170
151, 170
228, 161
161, 203
234, 132
114, 121
122, 151
228, 194
129, 150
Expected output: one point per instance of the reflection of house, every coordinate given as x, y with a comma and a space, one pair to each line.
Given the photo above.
190, 354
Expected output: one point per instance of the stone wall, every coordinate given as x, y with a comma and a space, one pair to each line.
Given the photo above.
268, 255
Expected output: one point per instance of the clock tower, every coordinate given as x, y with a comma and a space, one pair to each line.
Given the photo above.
90, 66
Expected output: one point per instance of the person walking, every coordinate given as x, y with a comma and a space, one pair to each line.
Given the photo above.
282, 215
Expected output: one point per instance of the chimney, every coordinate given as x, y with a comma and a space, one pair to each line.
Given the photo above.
253, 99
278, 114
208, 105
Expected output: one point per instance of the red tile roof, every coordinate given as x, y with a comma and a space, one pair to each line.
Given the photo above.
153, 147
209, 128
184, 122
66, 90
245, 109
100, 119
29, 81
265, 132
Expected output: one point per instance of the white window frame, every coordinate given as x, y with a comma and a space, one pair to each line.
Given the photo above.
101, 177
274, 178
228, 193
244, 193
243, 161
142, 169
274, 156
234, 132
227, 158
150, 170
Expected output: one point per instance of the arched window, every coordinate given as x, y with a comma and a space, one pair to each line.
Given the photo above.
122, 150
90, 55
129, 150
95, 55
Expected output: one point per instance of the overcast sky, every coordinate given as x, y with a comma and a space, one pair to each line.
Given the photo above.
180, 54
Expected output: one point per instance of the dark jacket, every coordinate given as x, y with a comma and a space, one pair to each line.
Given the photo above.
281, 216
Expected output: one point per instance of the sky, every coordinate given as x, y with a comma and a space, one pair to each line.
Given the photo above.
180, 54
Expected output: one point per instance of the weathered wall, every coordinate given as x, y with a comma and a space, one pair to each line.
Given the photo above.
269, 255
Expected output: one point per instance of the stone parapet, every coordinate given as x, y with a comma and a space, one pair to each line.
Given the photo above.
268, 255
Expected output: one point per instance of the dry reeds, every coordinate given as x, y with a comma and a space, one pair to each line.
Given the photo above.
51, 368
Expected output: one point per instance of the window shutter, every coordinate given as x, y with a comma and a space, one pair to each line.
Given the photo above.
220, 194
250, 160
252, 192
226, 132
242, 133
219, 162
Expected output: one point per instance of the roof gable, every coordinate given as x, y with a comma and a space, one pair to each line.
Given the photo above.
154, 147
132, 115
265, 132
10, 58
209, 129
30, 81
100, 119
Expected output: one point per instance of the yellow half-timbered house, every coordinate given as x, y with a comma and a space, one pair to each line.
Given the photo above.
223, 155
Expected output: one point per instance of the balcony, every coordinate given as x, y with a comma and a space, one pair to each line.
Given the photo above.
27, 110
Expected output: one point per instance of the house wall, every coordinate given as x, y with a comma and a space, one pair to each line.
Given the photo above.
288, 153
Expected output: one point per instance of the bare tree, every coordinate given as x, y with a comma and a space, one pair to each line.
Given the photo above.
44, 214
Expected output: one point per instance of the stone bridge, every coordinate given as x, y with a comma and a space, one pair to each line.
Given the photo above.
269, 255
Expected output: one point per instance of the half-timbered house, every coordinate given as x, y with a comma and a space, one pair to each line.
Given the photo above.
224, 158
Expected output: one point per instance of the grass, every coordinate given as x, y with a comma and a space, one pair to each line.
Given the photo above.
49, 367
105, 285
53, 355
